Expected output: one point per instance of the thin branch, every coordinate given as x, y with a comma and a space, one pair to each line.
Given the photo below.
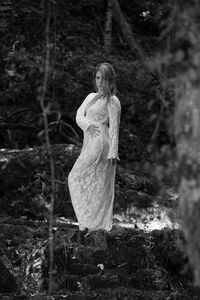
61, 182
15, 126
157, 126
14, 113
72, 129
97, 20
45, 111
127, 31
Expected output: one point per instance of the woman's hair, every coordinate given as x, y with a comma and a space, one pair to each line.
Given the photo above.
109, 77
109, 88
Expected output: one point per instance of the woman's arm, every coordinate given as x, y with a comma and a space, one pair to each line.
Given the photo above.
81, 120
114, 110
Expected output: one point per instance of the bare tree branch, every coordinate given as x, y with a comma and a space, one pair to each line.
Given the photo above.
16, 126
126, 31
45, 110
70, 127
15, 113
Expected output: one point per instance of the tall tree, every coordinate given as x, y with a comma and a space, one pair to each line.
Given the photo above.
186, 57
114, 12
108, 26
127, 31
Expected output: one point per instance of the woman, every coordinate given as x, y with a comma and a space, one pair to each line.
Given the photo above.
91, 180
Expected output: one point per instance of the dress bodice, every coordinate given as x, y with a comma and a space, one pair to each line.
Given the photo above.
98, 112
102, 113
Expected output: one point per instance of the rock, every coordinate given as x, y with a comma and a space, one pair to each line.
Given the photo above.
111, 249
109, 260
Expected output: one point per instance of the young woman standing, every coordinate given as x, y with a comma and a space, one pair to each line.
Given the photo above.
91, 180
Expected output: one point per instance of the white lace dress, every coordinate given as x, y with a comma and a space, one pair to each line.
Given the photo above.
91, 180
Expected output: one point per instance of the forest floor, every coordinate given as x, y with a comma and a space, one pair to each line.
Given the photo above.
142, 257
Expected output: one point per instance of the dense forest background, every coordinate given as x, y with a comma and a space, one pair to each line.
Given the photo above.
77, 46
48, 53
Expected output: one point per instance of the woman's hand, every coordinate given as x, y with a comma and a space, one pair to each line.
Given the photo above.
93, 130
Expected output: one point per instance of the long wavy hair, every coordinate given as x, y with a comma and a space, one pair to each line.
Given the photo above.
109, 79
109, 83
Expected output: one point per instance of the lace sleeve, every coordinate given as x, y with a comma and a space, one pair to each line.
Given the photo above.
81, 120
114, 110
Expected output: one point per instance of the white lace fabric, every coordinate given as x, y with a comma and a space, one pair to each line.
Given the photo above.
91, 180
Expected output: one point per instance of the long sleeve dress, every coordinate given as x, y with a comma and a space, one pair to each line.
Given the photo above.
91, 180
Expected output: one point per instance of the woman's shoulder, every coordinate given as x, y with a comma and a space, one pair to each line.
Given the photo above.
115, 101
90, 96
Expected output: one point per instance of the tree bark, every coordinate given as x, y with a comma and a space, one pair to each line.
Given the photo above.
108, 26
126, 31
187, 123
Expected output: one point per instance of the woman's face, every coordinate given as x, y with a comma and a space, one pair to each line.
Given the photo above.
99, 81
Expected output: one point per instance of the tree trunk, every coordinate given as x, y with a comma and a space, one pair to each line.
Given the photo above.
187, 124
126, 31
108, 26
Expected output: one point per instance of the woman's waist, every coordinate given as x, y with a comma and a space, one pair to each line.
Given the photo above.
99, 122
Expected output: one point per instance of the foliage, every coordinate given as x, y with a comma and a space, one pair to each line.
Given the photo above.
25, 181
22, 253
154, 127
76, 47
182, 63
